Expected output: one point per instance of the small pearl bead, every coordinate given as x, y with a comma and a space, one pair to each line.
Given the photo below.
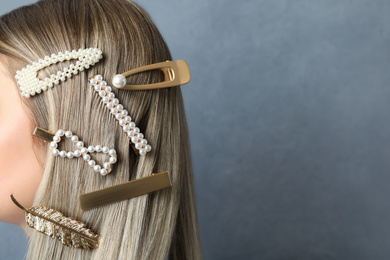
106, 100
134, 139
98, 148
112, 160
106, 165
110, 105
62, 153
108, 89
56, 139
132, 124
102, 93
144, 142
122, 122
91, 149
93, 81
103, 172
86, 157
140, 136
60, 132
111, 95
74, 138
77, 153
128, 119
118, 116
142, 152
91, 163
126, 128
84, 150
119, 81
70, 155
115, 101
79, 144
148, 148
130, 134
53, 144
56, 152
112, 152
68, 134
97, 168
138, 146
125, 113
99, 77
105, 149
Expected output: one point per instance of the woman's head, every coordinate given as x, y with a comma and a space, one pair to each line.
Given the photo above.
141, 228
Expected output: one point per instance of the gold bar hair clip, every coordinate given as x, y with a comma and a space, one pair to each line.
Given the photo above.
124, 191
176, 73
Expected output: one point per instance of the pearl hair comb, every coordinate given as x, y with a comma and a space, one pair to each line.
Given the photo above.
27, 78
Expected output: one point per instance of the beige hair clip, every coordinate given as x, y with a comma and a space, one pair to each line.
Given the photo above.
176, 73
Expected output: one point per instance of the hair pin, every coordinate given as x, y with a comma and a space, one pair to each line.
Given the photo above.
30, 84
53, 223
175, 72
127, 190
121, 115
54, 139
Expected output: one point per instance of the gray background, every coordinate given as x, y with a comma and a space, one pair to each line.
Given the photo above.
288, 110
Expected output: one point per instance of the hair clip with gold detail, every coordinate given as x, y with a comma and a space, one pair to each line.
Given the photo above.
70, 232
175, 72
54, 139
127, 190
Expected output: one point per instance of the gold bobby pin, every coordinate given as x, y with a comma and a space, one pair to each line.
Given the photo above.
176, 73
127, 190
47, 136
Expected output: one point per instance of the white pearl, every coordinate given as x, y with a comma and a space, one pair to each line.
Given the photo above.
134, 139
122, 122
115, 101
56, 152
68, 134
126, 128
62, 153
138, 146
60, 132
118, 116
56, 139
111, 95
97, 87
144, 142
97, 168
84, 150
119, 107
53, 144
74, 138
125, 113
103, 172
105, 149
142, 152
91, 149
108, 89
114, 111
106, 100
130, 134
140, 136
119, 81
110, 105
79, 144
77, 153
91, 163
132, 124
148, 148
107, 165
98, 148
128, 119
99, 77
102, 93
70, 155
112, 160
112, 152
86, 157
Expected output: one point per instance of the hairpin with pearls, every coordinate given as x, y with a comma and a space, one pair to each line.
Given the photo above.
30, 84
81, 151
120, 114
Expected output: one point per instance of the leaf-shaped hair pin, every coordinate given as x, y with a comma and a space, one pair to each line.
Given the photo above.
54, 224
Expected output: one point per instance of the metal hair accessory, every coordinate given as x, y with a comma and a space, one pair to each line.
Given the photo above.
54, 139
30, 84
175, 72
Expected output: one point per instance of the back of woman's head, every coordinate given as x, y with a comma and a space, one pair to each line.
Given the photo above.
146, 227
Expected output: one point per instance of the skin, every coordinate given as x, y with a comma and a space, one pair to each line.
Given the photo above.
21, 170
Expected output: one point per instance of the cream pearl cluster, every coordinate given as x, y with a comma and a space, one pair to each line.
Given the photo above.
83, 151
121, 114
30, 84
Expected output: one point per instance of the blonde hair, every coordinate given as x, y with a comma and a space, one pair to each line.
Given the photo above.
159, 225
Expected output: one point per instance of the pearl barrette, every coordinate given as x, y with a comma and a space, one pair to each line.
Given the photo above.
83, 151
30, 84
120, 114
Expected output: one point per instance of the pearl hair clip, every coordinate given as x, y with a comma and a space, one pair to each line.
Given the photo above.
54, 139
30, 84
175, 73
120, 114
